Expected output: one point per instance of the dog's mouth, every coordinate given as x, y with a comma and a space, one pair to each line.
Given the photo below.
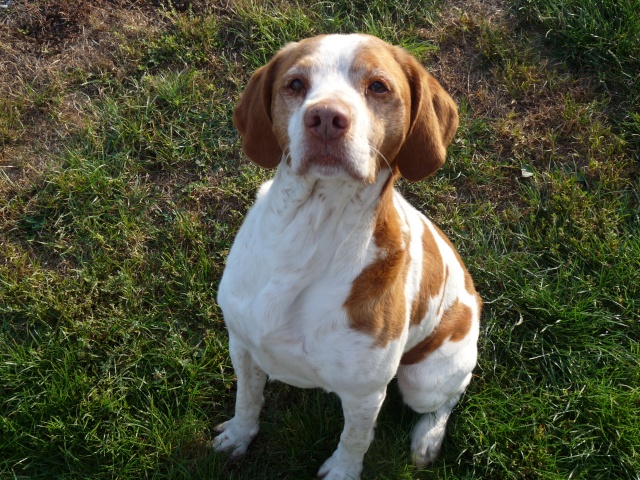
329, 164
327, 160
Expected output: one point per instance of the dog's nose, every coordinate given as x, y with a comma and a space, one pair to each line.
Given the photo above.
327, 120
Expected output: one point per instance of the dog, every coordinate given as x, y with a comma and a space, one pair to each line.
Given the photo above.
334, 280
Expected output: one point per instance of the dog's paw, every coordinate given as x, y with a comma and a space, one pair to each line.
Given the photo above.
426, 440
339, 468
234, 437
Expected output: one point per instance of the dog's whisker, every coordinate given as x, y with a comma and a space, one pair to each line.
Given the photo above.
379, 153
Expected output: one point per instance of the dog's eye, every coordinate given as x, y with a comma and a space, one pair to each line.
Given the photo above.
378, 87
296, 85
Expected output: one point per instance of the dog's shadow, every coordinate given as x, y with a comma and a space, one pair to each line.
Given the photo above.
300, 429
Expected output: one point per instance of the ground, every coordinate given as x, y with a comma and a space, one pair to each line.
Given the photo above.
122, 184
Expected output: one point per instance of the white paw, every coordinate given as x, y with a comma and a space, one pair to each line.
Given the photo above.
234, 437
339, 468
426, 440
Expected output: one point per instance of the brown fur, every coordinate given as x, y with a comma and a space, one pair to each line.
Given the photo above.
433, 276
253, 120
454, 326
376, 304
253, 115
468, 281
434, 121
390, 115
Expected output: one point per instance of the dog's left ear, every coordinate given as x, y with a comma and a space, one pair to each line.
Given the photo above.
252, 116
434, 121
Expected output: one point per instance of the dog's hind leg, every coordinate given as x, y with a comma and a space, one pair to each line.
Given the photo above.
433, 387
428, 434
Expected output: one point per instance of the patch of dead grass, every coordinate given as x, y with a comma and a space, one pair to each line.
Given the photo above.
49, 52
532, 103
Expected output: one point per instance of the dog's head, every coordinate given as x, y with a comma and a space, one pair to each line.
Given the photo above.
346, 105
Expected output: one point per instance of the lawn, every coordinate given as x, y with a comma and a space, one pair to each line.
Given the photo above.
122, 184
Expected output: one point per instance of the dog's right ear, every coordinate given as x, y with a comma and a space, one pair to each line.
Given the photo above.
252, 117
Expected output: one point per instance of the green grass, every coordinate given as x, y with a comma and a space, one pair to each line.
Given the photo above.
114, 229
602, 39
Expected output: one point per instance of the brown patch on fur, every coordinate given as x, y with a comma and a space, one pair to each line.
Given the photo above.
423, 115
376, 304
433, 276
468, 283
390, 112
454, 326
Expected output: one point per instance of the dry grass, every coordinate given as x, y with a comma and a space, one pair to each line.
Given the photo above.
49, 53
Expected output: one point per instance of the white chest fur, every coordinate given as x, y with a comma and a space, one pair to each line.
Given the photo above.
289, 273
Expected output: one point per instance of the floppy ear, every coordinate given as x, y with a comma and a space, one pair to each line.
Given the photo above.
252, 117
434, 121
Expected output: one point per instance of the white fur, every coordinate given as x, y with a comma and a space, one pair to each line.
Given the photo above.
290, 271
330, 73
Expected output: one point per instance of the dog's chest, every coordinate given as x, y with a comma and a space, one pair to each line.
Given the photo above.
287, 278
288, 322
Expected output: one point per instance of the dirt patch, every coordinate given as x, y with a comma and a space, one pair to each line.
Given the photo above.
49, 49
54, 23
51, 22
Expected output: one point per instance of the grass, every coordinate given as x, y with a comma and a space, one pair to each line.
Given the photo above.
601, 39
122, 185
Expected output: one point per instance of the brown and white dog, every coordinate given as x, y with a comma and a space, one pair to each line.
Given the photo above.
334, 280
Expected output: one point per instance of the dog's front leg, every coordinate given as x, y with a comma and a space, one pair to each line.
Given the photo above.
360, 413
237, 433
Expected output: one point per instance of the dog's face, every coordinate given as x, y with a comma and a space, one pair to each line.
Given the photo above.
346, 106
341, 111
